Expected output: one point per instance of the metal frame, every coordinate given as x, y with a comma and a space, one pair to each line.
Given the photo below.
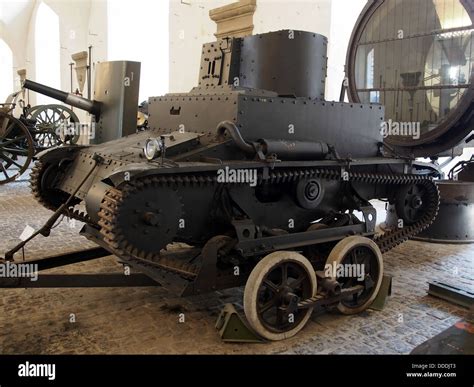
96, 280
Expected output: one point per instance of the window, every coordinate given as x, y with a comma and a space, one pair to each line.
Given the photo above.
47, 51
374, 95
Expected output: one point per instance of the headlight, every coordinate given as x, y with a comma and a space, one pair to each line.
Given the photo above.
152, 148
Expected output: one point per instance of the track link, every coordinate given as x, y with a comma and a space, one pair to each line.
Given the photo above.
114, 198
389, 239
112, 234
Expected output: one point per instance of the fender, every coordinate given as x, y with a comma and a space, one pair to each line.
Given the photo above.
59, 153
130, 171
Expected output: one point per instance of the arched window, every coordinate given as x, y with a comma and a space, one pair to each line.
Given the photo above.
47, 51
370, 77
6, 71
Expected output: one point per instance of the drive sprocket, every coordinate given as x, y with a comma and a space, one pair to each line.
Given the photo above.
141, 217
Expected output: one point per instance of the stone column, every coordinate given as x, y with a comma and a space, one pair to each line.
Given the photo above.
234, 20
22, 74
80, 58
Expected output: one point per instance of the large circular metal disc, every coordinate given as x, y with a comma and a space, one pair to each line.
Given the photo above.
416, 57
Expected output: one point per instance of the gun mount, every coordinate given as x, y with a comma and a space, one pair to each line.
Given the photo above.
114, 108
77, 101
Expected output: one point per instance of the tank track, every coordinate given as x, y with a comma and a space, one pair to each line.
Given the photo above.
186, 271
46, 201
390, 239
114, 197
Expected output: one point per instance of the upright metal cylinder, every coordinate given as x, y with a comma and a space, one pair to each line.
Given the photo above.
288, 62
294, 150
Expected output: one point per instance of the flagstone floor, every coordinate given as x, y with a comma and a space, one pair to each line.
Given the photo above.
146, 320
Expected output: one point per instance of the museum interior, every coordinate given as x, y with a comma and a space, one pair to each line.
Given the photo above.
237, 177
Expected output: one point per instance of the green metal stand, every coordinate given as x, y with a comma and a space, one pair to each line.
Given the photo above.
233, 329
384, 292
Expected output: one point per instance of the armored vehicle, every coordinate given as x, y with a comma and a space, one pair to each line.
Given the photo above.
251, 178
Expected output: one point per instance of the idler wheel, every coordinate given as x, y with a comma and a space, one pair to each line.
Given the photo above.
309, 193
410, 203
43, 180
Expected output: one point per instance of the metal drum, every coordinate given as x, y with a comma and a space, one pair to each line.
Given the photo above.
455, 220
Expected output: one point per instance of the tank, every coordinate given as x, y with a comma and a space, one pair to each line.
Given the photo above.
251, 178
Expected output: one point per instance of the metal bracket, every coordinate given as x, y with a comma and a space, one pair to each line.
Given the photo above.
246, 229
206, 279
102, 280
370, 217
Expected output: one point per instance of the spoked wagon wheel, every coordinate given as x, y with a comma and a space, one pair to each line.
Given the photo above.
274, 288
357, 261
53, 124
16, 148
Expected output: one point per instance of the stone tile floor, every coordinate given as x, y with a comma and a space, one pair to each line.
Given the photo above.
146, 320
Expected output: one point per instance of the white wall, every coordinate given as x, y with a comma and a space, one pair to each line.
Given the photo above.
84, 23
190, 27
141, 33
14, 24
344, 14
73, 16
304, 15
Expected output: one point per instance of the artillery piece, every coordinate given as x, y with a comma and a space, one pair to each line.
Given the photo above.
36, 129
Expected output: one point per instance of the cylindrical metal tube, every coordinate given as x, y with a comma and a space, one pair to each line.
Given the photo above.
229, 127
295, 150
92, 107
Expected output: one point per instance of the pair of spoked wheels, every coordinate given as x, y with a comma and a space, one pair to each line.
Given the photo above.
16, 148
284, 278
